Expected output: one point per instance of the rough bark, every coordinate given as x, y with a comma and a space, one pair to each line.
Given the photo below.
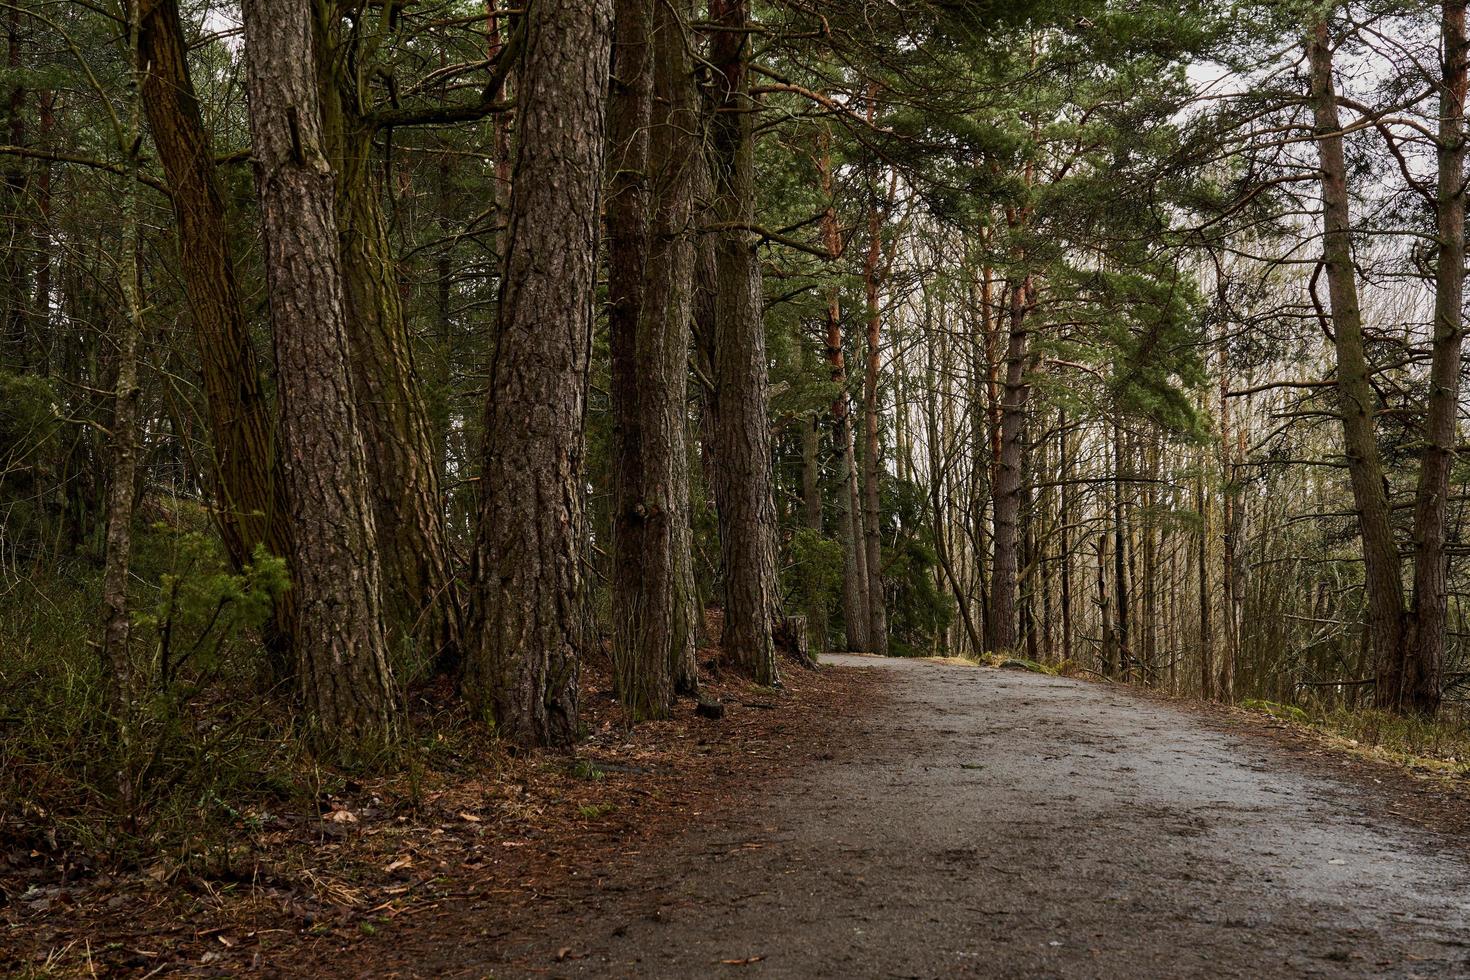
849, 514
530, 619
650, 275
420, 600
742, 427
1419, 678
1202, 566
1006, 488
872, 462
249, 508
342, 663
1357, 401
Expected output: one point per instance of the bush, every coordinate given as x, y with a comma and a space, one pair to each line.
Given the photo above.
197, 741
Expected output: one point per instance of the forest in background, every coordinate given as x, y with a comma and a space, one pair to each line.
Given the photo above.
356, 351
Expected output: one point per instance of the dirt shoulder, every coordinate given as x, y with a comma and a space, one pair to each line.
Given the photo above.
379, 872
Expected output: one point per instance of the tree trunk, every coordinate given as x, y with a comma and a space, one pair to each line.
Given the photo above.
1120, 552
249, 507
123, 437
43, 235
1423, 666
420, 601
12, 259
1202, 565
1357, 402
530, 623
650, 275
1006, 490
342, 661
742, 425
1064, 534
872, 462
855, 615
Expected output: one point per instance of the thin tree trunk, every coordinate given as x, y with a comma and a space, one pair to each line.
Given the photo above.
1006, 491
342, 659
1064, 535
1202, 566
123, 437
531, 624
872, 462
12, 260
855, 615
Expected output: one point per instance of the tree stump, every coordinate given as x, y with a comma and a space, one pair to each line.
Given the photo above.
791, 634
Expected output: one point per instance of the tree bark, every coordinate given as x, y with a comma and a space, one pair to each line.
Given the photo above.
855, 615
1202, 566
530, 620
872, 463
420, 599
1006, 489
1421, 675
249, 507
1357, 401
650, 277
742, 426
342, 661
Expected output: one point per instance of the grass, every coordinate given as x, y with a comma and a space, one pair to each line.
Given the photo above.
1439, 745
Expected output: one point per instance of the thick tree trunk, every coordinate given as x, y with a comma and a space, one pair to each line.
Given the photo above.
1357, 401
420, 601
1423, 667
650, 277
679, 167
249, 506
342, 660
742, 424
530, 622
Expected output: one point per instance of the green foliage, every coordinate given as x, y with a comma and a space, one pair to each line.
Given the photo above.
189, 753
204, 612
812, 574
29, 422
919, 611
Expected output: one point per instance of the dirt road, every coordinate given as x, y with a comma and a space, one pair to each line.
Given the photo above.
1004, 824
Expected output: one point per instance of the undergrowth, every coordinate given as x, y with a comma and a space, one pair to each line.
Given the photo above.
205, 739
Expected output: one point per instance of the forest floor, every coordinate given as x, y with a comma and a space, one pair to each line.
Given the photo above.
882, 818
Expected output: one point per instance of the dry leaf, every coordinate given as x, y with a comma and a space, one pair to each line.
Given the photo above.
470, 818
341, 816
403, 862
745, 962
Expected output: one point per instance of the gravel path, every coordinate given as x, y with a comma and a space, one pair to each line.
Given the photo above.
1004, 824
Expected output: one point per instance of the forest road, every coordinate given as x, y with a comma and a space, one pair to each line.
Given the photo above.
1004, 824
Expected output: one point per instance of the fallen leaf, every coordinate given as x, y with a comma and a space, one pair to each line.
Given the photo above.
403, 862
470, 818
341, 816
745, 962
